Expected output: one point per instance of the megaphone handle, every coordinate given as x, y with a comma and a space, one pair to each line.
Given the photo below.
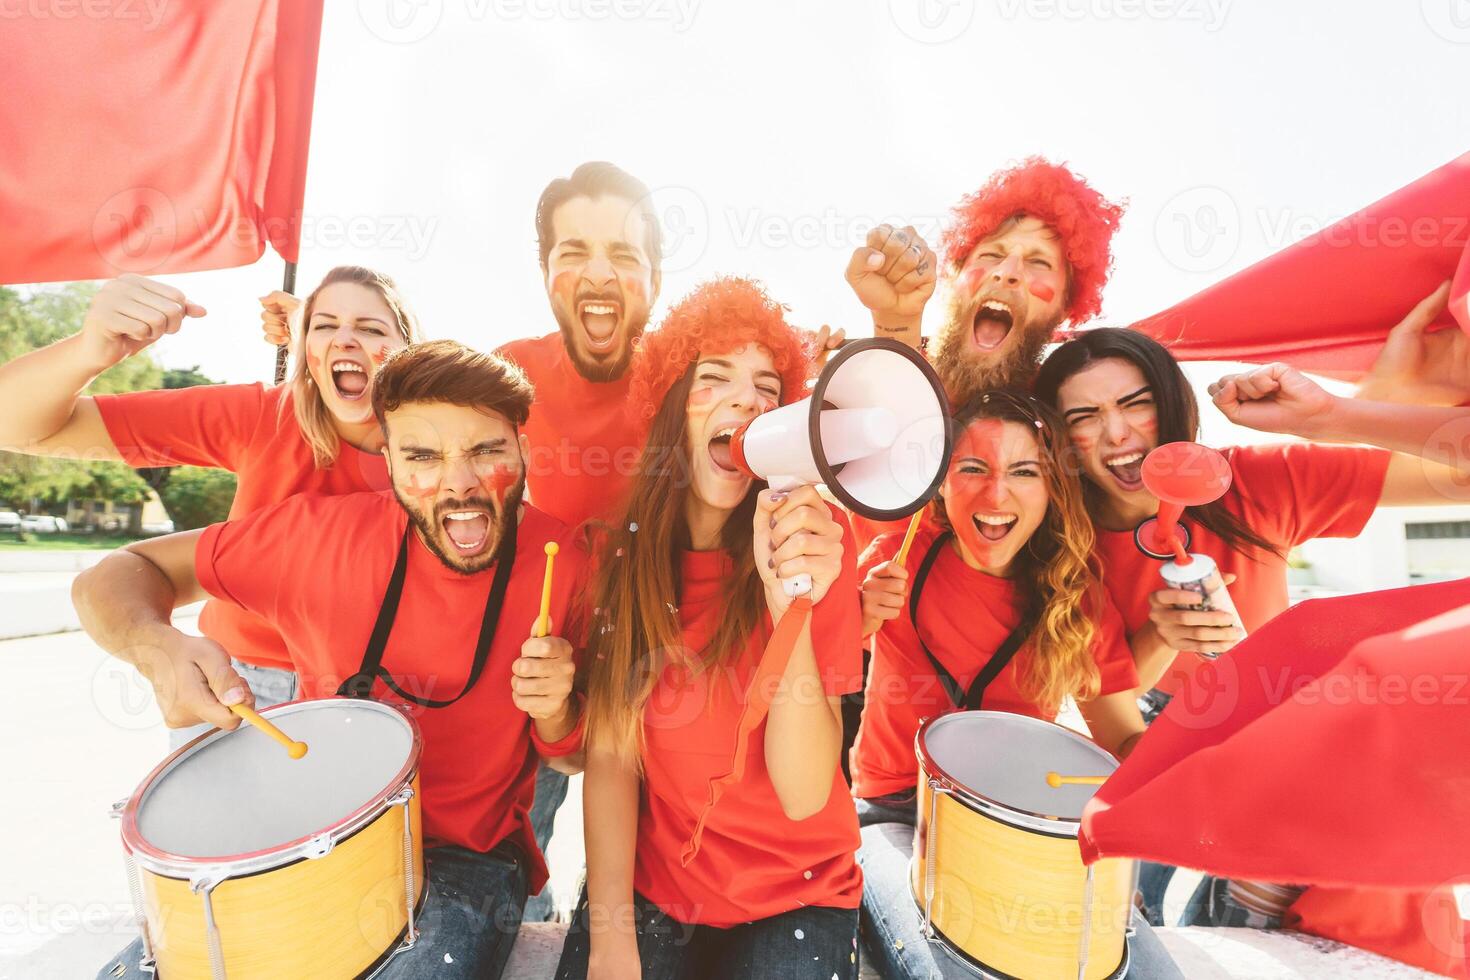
797, 585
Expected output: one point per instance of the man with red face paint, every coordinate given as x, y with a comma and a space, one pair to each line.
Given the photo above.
1029, 250
453, 537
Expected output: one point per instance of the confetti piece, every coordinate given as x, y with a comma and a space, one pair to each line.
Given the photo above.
448, 958
807, 875
620, 552
800, 934
898, 944
633, 527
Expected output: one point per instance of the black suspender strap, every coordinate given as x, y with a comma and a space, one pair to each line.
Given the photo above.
359, 685
972, 698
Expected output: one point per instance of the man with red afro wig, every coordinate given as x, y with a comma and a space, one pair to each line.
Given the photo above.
1030, 249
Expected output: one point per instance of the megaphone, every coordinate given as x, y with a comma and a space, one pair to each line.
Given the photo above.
875, 432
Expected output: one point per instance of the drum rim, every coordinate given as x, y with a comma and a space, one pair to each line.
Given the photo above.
981, 969
163, 862
1014, 816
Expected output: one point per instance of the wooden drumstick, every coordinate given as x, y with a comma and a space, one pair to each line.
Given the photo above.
1057, 781
293, 748
908, 538
543, 621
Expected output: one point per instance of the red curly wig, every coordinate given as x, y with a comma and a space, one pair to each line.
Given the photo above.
1085, 220
719, 316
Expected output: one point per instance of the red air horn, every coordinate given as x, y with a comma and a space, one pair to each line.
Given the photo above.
1180, 474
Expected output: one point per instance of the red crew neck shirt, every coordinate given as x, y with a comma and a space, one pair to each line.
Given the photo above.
964, 617
583, 448
316, 569
251, 431
1285, 493
753, 862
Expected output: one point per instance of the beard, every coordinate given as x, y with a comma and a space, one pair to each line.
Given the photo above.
965, 370
431, 527
610, 366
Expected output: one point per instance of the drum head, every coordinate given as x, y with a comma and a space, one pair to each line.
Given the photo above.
238, 792
1004, 758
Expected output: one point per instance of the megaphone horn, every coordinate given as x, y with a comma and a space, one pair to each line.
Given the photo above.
874, 431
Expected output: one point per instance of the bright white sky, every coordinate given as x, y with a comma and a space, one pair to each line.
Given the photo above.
774, 134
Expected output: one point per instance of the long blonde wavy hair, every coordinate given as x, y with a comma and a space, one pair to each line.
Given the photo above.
312, 415
1055, 579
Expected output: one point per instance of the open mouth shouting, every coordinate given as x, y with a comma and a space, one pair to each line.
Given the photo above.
994, 527
992, 324
1126, 469
600, 319
467, 529
350, 379
719, 452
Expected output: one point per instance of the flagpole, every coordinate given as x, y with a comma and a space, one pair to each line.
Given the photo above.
288, 285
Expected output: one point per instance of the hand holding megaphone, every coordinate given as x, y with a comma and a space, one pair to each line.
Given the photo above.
796, 540
874, 432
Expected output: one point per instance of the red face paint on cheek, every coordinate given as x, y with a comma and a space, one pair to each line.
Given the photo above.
701, 397
564, 287
972, 493
973, 278
498, 482
1041, 291
380, 355
418, 492
633, 290
313, 361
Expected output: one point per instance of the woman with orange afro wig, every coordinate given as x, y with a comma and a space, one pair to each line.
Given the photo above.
719, 843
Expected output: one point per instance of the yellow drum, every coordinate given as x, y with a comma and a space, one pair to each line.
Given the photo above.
997, 873
245, 863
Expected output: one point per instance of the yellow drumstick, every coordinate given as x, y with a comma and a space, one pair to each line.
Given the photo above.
294, 749
1057, 781
543, 621
908, 538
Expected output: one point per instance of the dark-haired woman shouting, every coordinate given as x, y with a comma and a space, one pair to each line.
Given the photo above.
720, 840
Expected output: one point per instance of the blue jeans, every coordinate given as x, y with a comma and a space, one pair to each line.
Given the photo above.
551, 792
812, 943
891, 920
1154, 878
467, 925
270, 685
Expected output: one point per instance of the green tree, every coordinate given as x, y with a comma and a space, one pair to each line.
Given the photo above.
196, 496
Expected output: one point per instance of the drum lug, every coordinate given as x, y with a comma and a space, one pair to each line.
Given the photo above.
401, 797
319, 846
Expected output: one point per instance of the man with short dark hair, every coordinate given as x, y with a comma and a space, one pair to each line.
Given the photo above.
453, 536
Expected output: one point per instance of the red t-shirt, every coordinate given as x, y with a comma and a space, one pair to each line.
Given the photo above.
251, 431
1285, 493
317, 567
1420, 927
753, 862
584, 451
964, 617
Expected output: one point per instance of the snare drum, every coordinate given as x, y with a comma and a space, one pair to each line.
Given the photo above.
245, 863
997, 873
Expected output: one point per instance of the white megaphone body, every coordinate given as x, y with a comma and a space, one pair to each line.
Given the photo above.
875, 432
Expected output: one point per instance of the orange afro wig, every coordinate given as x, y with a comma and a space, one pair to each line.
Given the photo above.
718, 317
1085, 220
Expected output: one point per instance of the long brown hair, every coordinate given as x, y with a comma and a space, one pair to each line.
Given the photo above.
312, 415
1055, 584
634, 630
1174, 404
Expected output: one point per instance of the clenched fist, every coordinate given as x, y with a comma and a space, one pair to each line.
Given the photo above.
541, 678
893, 274
130, 313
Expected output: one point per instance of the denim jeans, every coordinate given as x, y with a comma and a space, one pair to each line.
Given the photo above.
891, 919
1154, 878
811, 943
270, 685
551, 792
1211, 905
467, 925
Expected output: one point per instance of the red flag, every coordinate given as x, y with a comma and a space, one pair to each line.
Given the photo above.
1326, 303
1329, 749
154, 138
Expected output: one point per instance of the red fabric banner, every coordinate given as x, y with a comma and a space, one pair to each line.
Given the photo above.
153, 138
1326, 303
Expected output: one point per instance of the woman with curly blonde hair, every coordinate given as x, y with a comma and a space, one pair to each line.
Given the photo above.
1006, 614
